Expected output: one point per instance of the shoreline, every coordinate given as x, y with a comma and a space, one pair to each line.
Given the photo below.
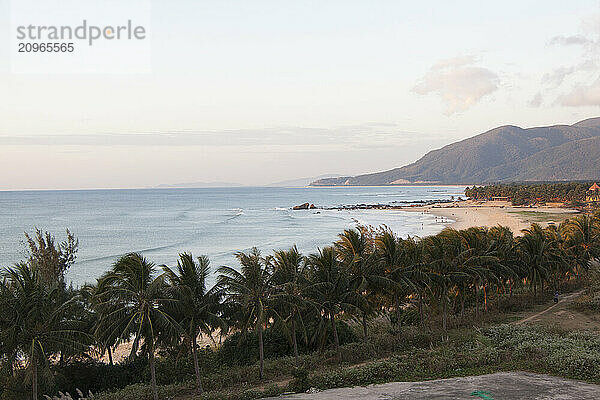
468, 213
387, 186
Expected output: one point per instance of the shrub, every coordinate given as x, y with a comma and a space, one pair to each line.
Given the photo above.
242, 348
574, 355
95, 376
300, 383
587, 303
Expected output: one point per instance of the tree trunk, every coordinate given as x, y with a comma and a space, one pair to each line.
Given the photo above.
485, 297
542, 287
476, 299
364, 326
110, 359
445, 309
134, 348
421, 313
196, 367
261, 353
336, 340
34, 378
152, 370
295, 342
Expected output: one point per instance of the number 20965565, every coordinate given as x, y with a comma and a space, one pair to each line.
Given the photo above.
46, 47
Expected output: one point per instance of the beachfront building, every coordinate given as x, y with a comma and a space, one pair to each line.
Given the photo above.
593, 193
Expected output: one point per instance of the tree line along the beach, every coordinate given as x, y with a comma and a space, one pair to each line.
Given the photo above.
367, 273
532, 193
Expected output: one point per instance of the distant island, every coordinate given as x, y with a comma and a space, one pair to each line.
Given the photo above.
194, 185
302, 181
504, 154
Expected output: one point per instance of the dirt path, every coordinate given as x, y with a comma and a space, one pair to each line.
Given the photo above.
562, 316
564, 301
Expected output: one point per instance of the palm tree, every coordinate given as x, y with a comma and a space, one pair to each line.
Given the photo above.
539, 254
135, 299
356, 249
35, 321
583, 238
414, 273
502, 245
390, 253
250, 290
199, 307
560, 265
450, 262
104, 343
440, 270
289, 277
330, 288
402, 262
479, 262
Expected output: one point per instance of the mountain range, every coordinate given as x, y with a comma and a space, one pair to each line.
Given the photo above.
299, 182
504, 154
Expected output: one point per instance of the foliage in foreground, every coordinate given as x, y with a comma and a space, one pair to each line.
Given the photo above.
499, 348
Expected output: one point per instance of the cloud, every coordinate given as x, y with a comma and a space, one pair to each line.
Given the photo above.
372, 135
459, 83
558, 76
536, 101
582, 95
454, 62
570, 40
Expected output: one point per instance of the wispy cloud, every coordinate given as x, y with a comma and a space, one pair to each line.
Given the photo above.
372, 135
586, 70
556, 77
459, 82
582, 95
569, 40
537, 100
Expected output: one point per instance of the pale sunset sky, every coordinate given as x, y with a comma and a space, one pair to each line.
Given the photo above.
255, 92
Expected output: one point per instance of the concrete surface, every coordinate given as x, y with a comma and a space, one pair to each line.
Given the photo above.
502, 385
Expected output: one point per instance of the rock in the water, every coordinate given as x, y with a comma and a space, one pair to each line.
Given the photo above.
304, 206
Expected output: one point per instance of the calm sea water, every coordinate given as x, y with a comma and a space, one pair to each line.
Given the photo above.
161, 223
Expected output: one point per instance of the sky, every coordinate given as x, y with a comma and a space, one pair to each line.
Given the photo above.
263, 91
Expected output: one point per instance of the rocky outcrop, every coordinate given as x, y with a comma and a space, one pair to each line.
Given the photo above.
304, 206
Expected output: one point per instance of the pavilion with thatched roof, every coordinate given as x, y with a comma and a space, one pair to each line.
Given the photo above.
593, 193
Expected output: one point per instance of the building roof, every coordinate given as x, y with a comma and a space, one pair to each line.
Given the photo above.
594, 187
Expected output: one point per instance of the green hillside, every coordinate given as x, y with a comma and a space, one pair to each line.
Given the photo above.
506, 153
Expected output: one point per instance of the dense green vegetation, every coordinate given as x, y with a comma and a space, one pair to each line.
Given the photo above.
285, 312
532, 193
504, 154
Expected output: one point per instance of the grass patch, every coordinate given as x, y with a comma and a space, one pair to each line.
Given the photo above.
501, 348
540, 216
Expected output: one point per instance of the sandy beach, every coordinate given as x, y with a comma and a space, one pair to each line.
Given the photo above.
466, 214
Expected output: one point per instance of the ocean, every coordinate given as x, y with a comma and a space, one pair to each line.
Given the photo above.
161, 223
